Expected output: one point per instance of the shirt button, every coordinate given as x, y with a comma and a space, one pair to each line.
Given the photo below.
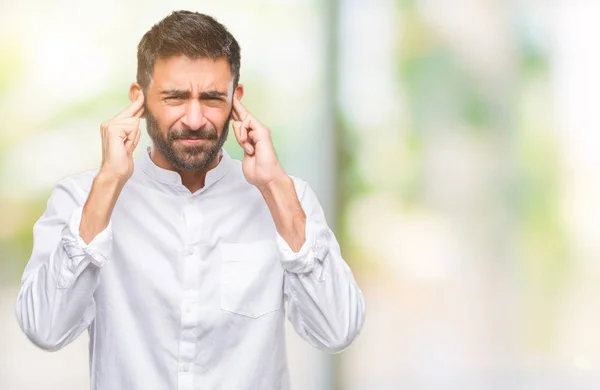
185, 367
190, 305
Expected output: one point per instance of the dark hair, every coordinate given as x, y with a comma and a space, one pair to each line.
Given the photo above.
191, 34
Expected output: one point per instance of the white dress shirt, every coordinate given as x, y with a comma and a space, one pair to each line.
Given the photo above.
185, 290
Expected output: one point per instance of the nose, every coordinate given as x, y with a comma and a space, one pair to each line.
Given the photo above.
194, 116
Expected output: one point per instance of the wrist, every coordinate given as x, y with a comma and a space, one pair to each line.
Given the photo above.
276, 184
106, 178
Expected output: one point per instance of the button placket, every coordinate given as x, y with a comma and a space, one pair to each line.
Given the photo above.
185, 367
189, 251
189, 305
189, 317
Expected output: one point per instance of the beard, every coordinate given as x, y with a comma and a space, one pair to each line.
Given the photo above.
187, 158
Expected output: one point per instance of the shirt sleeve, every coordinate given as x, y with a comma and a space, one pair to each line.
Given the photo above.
325, 305
96, 251
55, 303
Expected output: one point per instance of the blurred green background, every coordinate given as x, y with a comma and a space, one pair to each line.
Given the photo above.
452, 143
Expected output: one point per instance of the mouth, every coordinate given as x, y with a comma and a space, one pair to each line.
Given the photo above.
192, 141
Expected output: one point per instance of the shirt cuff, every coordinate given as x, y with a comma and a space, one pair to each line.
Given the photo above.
312, 252
98, 249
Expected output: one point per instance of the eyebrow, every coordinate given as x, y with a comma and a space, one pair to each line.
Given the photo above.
185, 94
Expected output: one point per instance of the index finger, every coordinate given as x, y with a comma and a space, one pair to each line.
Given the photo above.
135, 109
239, 108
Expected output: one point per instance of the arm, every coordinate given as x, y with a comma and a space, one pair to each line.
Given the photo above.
72, 242
325, 305
55, 303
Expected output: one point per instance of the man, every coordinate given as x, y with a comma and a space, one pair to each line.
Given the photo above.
179, 264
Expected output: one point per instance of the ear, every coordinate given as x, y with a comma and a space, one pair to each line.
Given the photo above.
134, 91
239, 91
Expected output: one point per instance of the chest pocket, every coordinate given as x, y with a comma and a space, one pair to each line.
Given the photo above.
251, 278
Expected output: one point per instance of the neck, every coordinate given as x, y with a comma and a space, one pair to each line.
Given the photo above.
192, 180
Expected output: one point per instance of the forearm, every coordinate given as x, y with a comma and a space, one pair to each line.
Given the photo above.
55, 302
288, 215
99, 206
54, 306
325, 304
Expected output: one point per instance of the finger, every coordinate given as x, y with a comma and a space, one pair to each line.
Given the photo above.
134, 138
235, 116
253, 136
121, 138
133, 109
128, 141
245, 127
236, 131
124, 134
137, 138
129, 129
248, 148
139, 113
239, 109
123, 127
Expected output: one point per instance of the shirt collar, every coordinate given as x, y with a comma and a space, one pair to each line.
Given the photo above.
169, 177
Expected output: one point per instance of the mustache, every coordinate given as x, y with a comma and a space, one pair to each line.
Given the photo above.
207, 133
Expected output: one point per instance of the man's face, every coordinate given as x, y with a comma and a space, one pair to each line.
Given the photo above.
188, 106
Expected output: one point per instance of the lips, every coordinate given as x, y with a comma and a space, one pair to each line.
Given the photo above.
192, 140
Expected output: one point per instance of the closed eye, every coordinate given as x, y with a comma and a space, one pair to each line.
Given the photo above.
174, 100
176, 96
